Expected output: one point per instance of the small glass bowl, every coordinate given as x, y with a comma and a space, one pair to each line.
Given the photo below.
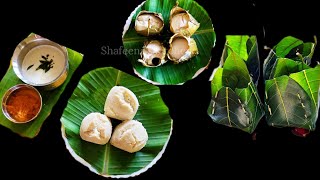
13, 91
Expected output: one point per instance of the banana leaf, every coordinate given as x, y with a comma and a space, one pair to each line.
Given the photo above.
107, 160
292, 86
170, 73
49, 98
235, 101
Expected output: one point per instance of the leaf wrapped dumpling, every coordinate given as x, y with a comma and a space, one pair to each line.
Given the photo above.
235, 101
291, 85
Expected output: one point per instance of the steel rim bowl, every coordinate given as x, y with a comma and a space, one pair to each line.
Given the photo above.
24, 47
7, 95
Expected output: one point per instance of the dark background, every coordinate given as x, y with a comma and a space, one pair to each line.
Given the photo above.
198, 147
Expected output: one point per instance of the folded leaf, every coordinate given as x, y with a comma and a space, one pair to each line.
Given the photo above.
246, 48
309, 80
216, 83
288, 47
269, 64
286, 66
306, 50
292, 86
288, 104
250, 98
235, 101
241, 108
238, 44
253, 61
235, 73
226, 109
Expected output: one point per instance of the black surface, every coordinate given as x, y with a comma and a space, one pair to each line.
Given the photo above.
196, 140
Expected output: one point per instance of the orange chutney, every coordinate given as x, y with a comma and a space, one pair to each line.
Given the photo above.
23, 104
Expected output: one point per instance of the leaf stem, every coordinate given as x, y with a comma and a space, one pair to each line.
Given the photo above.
118, 78
301, 58
282, 101
227, 101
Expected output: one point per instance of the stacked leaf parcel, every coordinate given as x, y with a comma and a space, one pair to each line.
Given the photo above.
235, 101
291, 85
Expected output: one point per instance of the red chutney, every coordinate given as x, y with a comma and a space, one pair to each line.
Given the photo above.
23, 104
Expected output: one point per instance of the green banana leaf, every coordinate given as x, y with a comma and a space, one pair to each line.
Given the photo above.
288, 47
106, 160
292, 86
49, 98
235, 101
170, 73
246, 48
